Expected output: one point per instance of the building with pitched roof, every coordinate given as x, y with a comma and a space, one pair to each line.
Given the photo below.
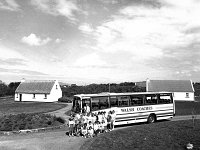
181, 89
38, 90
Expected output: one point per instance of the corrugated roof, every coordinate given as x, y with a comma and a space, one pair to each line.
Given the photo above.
170, 86
35, 87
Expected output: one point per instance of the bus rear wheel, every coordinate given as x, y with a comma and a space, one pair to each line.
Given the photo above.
151, 118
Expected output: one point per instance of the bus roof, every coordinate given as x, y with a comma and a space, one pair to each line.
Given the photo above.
118, 94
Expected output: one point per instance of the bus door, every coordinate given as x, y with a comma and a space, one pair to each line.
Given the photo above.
86, 101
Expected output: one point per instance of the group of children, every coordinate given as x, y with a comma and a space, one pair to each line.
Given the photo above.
91, 124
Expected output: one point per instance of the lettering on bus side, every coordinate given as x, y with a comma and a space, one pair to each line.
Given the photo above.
127, 109
144, 108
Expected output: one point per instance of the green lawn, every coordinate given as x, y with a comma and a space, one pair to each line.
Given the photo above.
158, 136
9, 106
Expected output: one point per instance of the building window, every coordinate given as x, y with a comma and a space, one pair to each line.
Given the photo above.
45, 96
56, 86
33, 96
187, 95
17, 95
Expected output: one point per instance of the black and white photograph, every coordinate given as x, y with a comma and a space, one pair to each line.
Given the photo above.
99, 74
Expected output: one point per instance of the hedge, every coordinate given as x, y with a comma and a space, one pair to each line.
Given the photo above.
28, 121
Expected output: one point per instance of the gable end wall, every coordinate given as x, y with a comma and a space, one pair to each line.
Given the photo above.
181, 96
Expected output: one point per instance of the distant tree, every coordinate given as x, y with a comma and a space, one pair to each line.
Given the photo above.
3, 89
12, 87
196, 89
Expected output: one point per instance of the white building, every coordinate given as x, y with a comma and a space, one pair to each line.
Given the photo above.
40, 91
182, 89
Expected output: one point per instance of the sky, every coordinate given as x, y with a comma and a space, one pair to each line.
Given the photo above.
99, 41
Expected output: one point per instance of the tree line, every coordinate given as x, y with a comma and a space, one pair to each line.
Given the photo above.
6, 90
70, 90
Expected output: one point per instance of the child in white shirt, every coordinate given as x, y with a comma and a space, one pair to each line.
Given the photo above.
90, 129
113, 117
84, 117
93, 118
100, 116
71, 126
84, 130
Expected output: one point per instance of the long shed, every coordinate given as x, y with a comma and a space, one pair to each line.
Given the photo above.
182, 89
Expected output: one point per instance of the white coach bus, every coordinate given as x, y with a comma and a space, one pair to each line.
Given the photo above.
129, 107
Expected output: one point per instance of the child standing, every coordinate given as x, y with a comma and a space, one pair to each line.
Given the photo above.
100, 116
71, 126
85, 120
76, 121
113, 117
93, 118
109, 121
104, 121
90, 129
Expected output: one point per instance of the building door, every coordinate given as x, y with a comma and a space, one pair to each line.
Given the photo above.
20, 97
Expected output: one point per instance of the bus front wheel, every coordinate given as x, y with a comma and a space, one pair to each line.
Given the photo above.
151, 118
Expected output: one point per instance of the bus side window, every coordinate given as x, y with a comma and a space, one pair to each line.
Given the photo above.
136, 100
113, 102
95, 104
164, 99
103, 102
151, 99
123, 101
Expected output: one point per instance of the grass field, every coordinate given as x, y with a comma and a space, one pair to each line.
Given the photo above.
158, 136
8, 106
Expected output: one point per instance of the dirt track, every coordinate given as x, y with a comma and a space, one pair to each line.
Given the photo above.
41, 141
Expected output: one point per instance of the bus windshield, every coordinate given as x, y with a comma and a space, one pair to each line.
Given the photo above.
76, 105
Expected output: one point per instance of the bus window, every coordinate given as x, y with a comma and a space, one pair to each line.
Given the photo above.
113, 101
123, 101
151, 99
136, 100
164, 99
103, 102
95, 104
